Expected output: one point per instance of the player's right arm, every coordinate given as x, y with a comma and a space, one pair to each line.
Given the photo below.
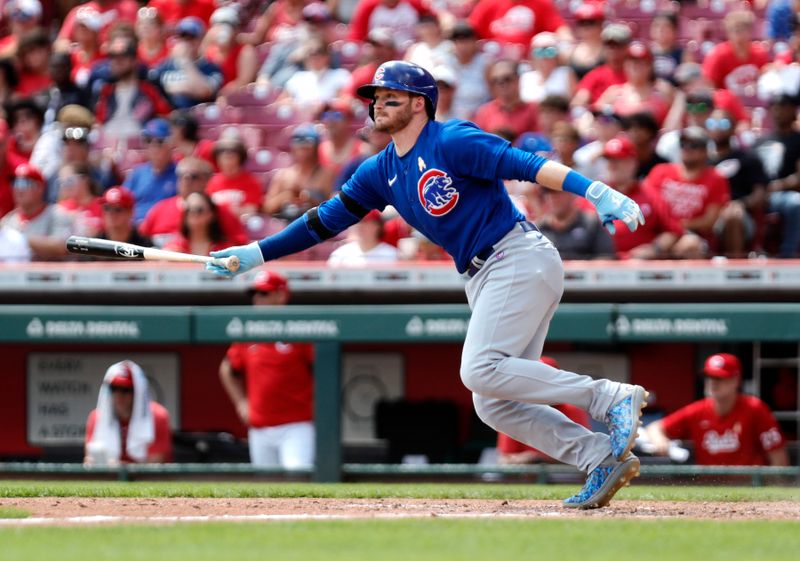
320, 223
235, 389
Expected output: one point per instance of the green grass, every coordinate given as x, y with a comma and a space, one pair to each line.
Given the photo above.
11, 512
413, 540
15, 489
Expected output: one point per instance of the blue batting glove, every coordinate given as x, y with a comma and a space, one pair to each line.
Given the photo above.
249, 257
612, 205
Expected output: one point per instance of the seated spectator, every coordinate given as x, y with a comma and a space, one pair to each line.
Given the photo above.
238, 62
726, 428
605, 125
126, 102
552, 109
23, 16
33, 57
173, 11
100, 73
664, 44
45, 227
661, 236
506, 110
431, 49
641, 91
234, 187
163, 221
302, 185
63, 91
8, 79
152, 49
381, 47
13, 245
186, 139
155, 179
25, 118
694, 192
201, 229
513, 452
127, 426
279, 19
566, 140
85, 49
515, 22
735, 64
616, 38
780, 153
319, 83
111, 13
587, 54
399, 16
416, 247
642, 129
8, 163
469, 64
574, 233
339, 145
77, 194
548, 76
186, 78
365, 247
118, 224
448, 85
736, 227
698, 106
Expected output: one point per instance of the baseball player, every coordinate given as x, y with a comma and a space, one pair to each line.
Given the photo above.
445, 180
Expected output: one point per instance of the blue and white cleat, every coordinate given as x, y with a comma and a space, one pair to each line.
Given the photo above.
603, 483
623, 420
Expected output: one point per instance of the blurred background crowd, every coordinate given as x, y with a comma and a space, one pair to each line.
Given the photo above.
199, 124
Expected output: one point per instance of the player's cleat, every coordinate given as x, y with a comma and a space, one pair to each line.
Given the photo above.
603, 483
623, 420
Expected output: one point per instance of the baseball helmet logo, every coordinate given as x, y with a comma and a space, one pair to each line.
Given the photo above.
436, 192
379, 73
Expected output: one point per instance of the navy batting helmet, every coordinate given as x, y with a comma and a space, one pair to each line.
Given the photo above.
406, 77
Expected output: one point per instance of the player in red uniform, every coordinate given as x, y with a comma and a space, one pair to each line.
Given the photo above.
277, 404
127, 426
726, 428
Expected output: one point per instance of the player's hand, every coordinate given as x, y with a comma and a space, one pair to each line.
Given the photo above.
612, 205
249, 257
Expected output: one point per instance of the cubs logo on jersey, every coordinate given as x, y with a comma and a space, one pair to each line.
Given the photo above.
436, 192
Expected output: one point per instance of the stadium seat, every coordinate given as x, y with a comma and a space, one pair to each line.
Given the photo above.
214, 114
253, 95
276, 114
261, 160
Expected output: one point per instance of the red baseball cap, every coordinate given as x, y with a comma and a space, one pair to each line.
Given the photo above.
639, 51
119, 196
722, 365
589, 11
123, 376
269, 281
549, 361
27, 171
619, 148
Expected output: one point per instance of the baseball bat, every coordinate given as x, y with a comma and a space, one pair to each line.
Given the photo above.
120, 250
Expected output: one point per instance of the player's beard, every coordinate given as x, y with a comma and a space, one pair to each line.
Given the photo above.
396, 123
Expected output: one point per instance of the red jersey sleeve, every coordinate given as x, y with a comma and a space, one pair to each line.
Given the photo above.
359, 25
679, 424
712, 68
235, 356
769, 434
162, 444
480, 19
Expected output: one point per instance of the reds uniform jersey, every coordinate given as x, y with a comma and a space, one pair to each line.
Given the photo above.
279, 381
742, 437
163, 436
688, 198
446, 187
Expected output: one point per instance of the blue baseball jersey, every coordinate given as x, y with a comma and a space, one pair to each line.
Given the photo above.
447, 186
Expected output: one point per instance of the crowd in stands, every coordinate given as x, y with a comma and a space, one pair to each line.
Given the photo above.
199, 124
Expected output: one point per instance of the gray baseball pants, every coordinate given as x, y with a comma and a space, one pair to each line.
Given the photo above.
513, 298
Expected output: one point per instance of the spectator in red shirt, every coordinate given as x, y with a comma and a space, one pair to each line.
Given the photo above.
400, 16
123, 429
85, 50
340, 145
588, 50
201, 230
150, 31
111, 12
517, 21
736, 64
118, 225
173, 11
271, 386
727, 427
8, 163
661, 236
382, 48
163, 220
33, 60
238, 62
506, 110
616, 38
234, 187
693, 190
77, 194
25, 119
513, 452
279, 21
24, 16
186, 138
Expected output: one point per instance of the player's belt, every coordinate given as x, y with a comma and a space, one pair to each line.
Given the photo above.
477, 262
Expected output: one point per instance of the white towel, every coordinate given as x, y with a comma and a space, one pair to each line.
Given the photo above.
105, 445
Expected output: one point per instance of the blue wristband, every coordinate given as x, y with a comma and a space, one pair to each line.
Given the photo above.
576, 183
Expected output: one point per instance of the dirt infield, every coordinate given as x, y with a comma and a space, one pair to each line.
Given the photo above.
46, 511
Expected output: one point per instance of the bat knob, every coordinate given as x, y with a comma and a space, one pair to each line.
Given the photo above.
233, 263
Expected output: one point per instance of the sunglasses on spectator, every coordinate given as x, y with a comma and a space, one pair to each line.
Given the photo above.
318, 52
114, 209
545, 52
502, 80
693, 145
19, 15
147, 13
699, 107
191, 176
69, 181
25, 183
303, 141
117, 389
332, 116
156, 141
76, 133
718, 124
197, 209
588, 22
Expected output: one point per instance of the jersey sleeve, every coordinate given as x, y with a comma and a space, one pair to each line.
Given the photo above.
678, 424
473, 152
769, 434
162, 444
357, 198
235, 356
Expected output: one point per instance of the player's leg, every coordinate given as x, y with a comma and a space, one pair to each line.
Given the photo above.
297, 443
263, 453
